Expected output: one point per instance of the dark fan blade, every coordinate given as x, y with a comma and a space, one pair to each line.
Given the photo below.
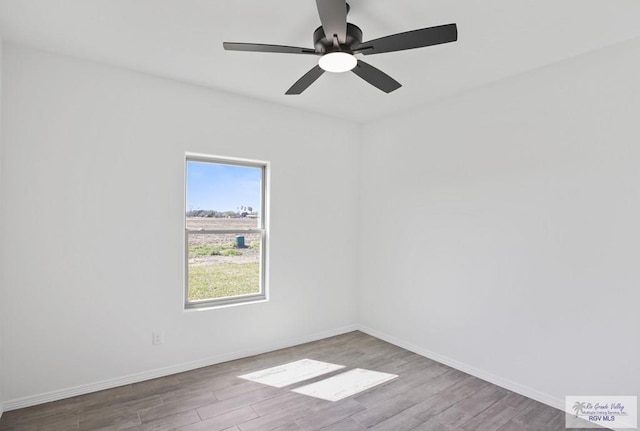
376, 77
410, 39
333, 15
306, 80
258, 47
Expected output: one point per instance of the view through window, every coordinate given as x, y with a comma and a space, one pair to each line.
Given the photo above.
225, 231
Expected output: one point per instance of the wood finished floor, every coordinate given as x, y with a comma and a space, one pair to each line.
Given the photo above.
426, 396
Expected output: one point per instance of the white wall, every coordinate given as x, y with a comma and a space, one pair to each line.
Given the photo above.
514, 255
501, 229
1, 239
93, 224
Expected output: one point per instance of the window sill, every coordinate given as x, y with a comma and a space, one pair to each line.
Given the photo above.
235, 302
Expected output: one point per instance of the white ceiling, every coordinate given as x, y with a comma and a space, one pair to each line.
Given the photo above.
182, 39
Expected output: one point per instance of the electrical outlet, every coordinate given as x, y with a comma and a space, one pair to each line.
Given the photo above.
157, 338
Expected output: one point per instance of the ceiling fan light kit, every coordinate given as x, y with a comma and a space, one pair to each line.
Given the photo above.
337, 42
337, 62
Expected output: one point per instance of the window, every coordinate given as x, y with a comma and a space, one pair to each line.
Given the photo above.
225, 231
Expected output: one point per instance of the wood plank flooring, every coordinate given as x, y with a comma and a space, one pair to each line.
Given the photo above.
426, 396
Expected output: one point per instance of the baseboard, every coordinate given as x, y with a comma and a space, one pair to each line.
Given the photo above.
517, 388
491, 378
166, 371
179, 368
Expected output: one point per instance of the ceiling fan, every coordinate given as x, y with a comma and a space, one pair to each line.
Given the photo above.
337, 42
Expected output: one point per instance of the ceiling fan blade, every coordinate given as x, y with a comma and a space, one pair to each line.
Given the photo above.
259, 47
410, 40
376, 77
333, 15
306, 80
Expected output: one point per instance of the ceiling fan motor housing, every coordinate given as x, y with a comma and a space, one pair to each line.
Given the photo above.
324, 45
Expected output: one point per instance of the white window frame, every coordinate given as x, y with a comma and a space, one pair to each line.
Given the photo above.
262, 229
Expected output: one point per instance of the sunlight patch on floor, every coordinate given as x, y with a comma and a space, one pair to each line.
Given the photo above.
293, 372
345, 384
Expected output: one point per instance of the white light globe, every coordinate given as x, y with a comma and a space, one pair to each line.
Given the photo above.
337, 62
